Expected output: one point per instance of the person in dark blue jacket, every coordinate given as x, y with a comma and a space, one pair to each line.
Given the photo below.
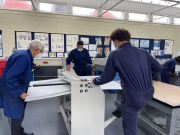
169, 66
136, 69
82, 60
14, 84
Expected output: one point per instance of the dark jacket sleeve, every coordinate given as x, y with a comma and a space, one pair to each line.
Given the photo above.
89, 58
109, 72
70, 58
155, 67
12, 76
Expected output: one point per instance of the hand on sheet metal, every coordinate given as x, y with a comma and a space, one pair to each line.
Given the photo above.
24, 95
92, 72
92, 78
29, 85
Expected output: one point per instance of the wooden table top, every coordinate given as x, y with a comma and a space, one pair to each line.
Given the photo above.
167, 93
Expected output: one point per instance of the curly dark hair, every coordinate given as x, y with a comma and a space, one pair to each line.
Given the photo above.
121, 35
178, 59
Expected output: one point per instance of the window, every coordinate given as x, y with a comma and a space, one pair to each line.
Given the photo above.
137, 17
160, 19
177, 21
17, 4
52, 8
113, 14
84, 11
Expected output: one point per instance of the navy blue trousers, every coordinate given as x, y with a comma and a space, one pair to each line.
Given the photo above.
16, 128
84, 71
131, 104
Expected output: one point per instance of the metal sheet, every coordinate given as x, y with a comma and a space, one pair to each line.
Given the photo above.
50, 81
37, 93
111, 85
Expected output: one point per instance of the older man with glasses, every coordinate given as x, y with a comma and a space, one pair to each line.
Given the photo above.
14, 84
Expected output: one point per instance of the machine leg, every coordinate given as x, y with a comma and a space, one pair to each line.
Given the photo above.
170, 124
68, 126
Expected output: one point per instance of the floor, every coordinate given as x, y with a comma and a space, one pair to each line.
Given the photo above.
41, 117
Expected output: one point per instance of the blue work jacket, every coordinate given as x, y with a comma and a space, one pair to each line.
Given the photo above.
135, 66
80, 59
14, 82
169, 66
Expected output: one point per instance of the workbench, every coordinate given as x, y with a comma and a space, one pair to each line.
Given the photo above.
166, 99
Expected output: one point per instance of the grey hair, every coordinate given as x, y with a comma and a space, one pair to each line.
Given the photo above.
36, 44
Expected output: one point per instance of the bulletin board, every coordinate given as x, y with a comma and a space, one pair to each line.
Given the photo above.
94, 44
93, 41
151, 47
1, 46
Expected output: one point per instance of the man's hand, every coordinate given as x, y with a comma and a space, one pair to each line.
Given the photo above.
24, 95
92, 72
93, 79
68, 66
29, 85
176, 73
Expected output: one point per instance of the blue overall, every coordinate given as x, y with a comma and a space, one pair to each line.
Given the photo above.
136, 68
167, 67
82, 62
14, 82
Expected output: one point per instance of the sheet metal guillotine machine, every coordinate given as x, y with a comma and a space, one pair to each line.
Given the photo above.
87, 113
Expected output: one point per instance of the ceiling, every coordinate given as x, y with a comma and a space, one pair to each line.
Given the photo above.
131, 6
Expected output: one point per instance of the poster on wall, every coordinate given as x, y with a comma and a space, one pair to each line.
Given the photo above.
85, 40
106, 41
160, 52
71, 42
60, 54
135, 42
98, 41
93, 53
112, 46
178, 52
144, 43
44, 38
99, 51
92, 47
57, 42
107, 51
154, 52
168, 47
23, 39
86, 47
44, 55
157, 44
52, 55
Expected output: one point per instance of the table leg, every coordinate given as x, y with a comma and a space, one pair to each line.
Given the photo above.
170, 124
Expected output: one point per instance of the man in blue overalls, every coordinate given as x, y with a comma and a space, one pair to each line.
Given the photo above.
136, 68
82, 60
14, 84
168, 67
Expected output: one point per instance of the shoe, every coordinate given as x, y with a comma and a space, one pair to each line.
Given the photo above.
24, 133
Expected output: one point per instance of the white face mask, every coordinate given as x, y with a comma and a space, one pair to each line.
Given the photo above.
38, 55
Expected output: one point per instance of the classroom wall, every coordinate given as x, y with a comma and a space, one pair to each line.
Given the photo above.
14, 20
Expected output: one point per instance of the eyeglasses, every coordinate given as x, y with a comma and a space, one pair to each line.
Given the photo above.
41, 51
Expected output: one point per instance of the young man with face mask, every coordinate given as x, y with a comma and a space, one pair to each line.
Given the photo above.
82, 60
136, 68
14, 84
